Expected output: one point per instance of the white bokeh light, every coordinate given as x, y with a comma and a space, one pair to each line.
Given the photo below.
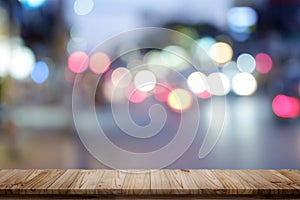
145, 81
83, 7
22, 62
218, 83
197, 82
244, 84
246, 63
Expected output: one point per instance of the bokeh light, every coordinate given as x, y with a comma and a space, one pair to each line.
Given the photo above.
134, 95
154, 57
196, 82
244, 84
83, 7
40, 72
22, 62
221, 52
145, 80
241, 22
206, 43
161, 92
204, 95
263, 63
175, 57
156, 64
246, 63
78, 62
240, 18
32, 4
179, 100
99, 63
189, 31
230, 69
218, 84
121, 77
285, 106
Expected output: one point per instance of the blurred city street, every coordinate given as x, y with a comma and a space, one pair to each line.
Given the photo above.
223, 76
252, 139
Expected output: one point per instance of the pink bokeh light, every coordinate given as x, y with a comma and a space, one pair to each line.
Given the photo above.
161, 92
285, 106
134, 95
78, 62
263, 63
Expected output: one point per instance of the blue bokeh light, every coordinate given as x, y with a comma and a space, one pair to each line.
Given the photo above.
40, 72
242, 17
32, 4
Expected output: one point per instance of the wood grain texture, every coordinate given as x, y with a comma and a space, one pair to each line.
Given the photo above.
39, 181
233, 183
150, 183
207, 182
111, 182
137, 182
293, 175
168, 182
77, 182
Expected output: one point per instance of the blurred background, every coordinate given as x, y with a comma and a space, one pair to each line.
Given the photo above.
255, 45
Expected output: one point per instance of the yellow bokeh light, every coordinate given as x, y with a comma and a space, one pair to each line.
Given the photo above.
221, 52
179, 99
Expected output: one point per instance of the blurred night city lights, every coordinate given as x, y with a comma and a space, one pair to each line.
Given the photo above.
244, 54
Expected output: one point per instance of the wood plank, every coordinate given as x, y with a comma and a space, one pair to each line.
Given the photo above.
233, 184
111, 182
256, 182
4, 175
150, 183
62, 184
39, 181
262, 185
137, 182
77, 182
207, 182
12, 180
293, 175
280, 181
170, 182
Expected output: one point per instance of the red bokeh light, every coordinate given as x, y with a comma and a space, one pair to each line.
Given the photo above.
285, 106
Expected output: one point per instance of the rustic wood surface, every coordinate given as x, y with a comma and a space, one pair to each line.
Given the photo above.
150, 183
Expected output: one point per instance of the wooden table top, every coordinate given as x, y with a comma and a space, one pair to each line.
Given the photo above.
150, 183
